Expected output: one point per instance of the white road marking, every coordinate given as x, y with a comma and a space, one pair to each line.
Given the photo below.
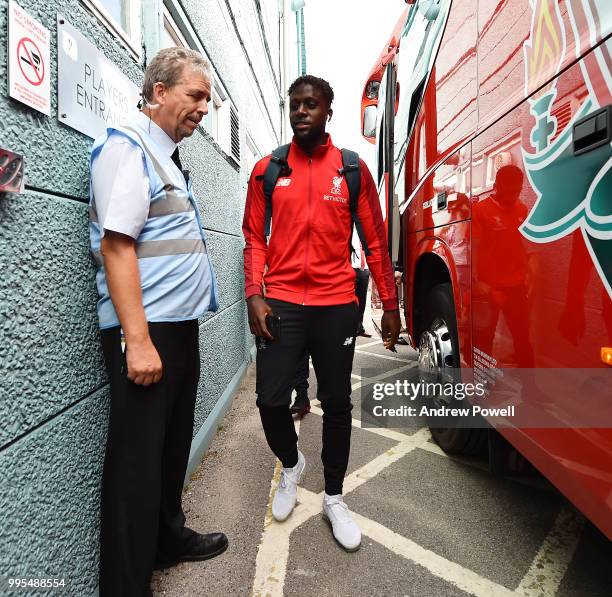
270, 579
457, 575
273, 552
367, 380
372, 343
381, 462
541, 580
383, 356
554, 556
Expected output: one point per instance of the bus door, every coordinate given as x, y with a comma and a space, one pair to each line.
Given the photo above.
436, 116
384, 156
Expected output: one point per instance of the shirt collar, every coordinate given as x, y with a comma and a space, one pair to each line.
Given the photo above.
156, 132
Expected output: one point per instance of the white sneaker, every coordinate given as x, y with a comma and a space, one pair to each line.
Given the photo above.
286, 492
345, 529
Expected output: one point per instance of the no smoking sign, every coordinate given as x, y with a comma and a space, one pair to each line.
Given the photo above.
30, 61
28, 58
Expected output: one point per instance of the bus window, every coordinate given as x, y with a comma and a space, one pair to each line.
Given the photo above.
419, 42
455, 82
381, 128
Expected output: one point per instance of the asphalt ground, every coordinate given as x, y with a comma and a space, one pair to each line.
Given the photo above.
432, 525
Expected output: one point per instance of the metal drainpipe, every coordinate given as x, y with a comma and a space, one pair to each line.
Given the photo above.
152, 27
299, 16
284, 11
297, 6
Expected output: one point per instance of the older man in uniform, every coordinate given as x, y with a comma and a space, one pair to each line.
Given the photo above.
155, 280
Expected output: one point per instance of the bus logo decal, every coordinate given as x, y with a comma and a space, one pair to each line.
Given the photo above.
572, 191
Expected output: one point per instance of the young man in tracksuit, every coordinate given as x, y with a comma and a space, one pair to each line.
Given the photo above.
310, 284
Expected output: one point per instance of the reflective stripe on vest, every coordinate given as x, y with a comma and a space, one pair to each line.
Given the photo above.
159, 248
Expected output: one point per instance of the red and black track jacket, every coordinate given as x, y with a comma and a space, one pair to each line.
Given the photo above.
308, 254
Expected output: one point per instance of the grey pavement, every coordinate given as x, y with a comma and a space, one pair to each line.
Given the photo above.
433, 525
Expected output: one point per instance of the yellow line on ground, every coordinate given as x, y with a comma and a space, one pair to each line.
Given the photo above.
273, 550
554, 556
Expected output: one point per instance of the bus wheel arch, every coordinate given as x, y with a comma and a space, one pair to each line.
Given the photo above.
430, 270
434, 321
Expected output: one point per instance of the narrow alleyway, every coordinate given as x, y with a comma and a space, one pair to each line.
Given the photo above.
432, 525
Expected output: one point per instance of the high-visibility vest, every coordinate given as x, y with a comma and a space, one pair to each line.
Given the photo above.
177, 278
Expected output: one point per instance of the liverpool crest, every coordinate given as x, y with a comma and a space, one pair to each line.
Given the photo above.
574, 190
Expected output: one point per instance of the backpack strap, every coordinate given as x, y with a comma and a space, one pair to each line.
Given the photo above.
277, 165
352, 174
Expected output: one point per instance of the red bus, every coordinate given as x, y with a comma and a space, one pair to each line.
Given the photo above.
492, 123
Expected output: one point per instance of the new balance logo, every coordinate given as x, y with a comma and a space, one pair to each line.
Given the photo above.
283, 182
348, 341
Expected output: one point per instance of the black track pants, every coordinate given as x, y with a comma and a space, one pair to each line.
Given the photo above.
149, 438
301, 378
328, 335
362, 280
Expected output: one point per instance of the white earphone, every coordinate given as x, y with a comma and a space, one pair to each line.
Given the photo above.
144, 103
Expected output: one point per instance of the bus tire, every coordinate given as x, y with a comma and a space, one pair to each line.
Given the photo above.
438, 330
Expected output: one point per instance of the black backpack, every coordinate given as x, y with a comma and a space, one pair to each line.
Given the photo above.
350, 170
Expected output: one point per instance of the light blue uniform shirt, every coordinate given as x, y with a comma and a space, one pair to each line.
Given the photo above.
137, 190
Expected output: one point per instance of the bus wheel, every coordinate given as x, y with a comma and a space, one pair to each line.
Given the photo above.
439, 360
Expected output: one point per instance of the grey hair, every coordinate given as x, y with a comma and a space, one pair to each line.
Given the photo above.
167, 68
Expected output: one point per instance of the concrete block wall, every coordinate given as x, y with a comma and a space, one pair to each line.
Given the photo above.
54, 393
217, 24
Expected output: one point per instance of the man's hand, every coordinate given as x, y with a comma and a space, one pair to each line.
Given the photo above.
391, 325
123, 279
258, 310
143, 363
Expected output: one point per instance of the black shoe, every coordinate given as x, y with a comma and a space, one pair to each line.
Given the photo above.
207, 546
300, 406
364, 334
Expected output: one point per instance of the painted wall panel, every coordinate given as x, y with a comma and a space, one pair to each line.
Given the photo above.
49, 339
216, 184
226, 255
43, 536
223, 351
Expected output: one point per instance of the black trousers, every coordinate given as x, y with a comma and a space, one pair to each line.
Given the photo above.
328, 335
301, 378
147, 451
362, 279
